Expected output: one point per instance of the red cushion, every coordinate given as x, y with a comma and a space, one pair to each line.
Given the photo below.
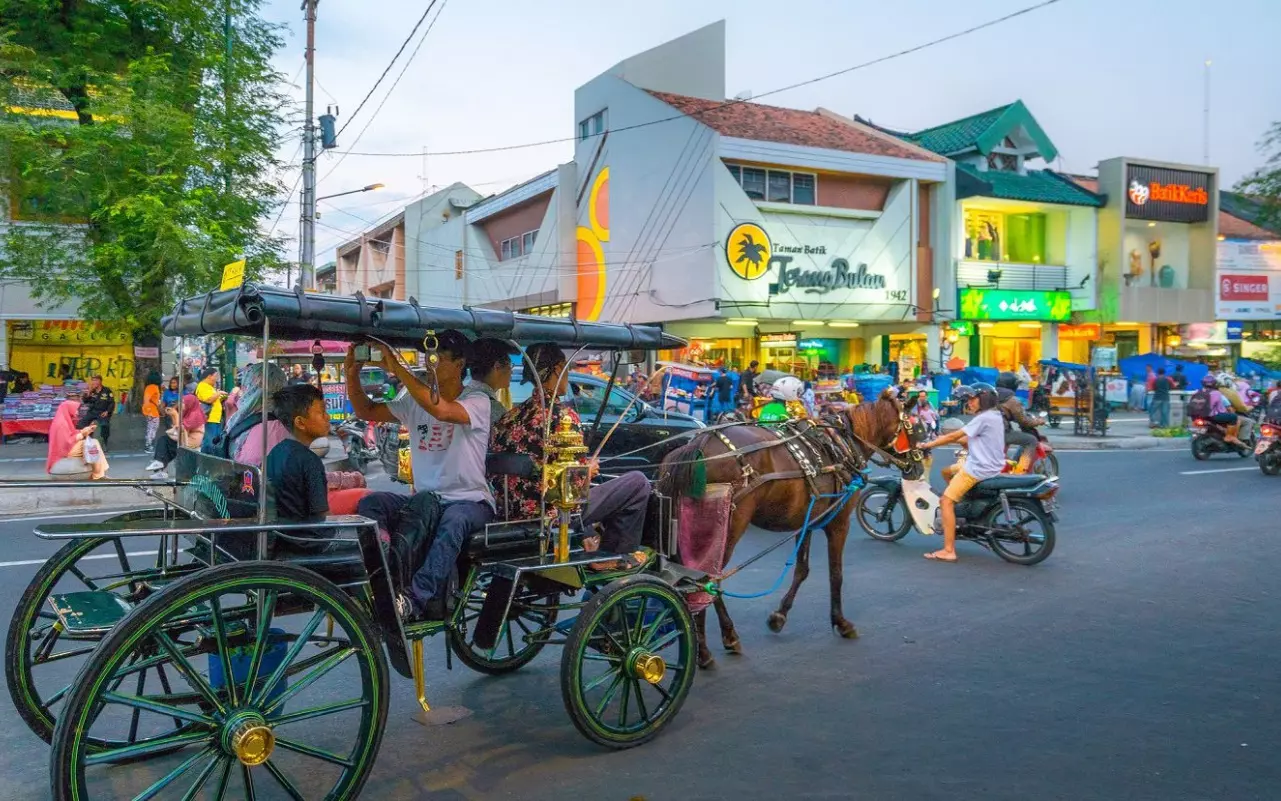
343, 502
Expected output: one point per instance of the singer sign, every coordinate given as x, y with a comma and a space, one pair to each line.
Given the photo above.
1249, 280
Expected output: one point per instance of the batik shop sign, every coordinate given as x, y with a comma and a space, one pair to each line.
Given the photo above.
1163, 195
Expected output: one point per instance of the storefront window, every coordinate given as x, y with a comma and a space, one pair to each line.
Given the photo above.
996, 236
1006, 346
909, 350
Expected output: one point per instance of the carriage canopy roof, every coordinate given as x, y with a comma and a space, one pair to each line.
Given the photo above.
304, 315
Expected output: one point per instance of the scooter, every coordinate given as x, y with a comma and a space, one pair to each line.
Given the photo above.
1268, 450
1012, 515
357, 439
1209, 438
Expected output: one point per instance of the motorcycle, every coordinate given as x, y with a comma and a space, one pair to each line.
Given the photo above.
1011, 515
1209, 438
1268, 450
357, 438
1039, 402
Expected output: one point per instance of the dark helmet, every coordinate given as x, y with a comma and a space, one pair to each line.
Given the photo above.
1003, 394
962, 394
982, 386
1007, 380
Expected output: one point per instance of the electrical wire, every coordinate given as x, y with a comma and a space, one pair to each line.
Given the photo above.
880, 60
387, 69
394, 84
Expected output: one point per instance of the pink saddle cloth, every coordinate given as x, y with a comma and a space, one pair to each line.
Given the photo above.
704, 529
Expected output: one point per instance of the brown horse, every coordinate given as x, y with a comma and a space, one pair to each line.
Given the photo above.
780, 504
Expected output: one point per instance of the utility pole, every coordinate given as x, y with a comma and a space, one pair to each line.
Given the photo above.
1205, 123
307, 247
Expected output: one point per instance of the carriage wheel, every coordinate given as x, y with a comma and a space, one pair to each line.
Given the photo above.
531, 616
41, 659
629, 662
240, 718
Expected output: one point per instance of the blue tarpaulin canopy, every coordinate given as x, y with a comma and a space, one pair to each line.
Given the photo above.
1135, 368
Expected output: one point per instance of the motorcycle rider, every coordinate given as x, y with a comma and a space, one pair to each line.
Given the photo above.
1235, 404
1012, 410
785, 401
1217, 408
984, 437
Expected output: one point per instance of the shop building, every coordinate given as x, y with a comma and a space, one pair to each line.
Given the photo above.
1025, 243
802, 239
1248, 282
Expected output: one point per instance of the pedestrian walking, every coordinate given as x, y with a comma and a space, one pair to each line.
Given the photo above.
151, 408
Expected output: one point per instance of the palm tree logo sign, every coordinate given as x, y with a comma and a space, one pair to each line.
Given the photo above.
748, 250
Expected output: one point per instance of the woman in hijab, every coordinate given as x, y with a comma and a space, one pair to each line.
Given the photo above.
191, 425
66, 441
245, 426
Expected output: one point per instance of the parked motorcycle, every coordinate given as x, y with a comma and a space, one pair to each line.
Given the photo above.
1209, 438
357, 438
1012, 515
1039, 402
1268, 450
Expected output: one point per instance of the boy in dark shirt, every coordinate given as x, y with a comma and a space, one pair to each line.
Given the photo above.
296, 475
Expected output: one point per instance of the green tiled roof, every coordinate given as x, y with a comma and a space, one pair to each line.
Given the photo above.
984, 131
1036, 186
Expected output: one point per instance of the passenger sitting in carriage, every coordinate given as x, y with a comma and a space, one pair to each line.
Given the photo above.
449, 436
295, 474
618, 506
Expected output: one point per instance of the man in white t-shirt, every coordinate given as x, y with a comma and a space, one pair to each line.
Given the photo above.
448, 440
984, 436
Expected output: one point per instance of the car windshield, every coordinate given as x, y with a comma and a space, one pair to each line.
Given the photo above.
586, 394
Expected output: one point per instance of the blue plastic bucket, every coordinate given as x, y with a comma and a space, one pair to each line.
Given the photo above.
242, 656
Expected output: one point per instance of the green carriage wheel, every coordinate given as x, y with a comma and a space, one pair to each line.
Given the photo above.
40, 663
629, 662
521, 640
254, 622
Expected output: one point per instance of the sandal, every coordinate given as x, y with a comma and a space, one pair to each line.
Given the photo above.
938, 556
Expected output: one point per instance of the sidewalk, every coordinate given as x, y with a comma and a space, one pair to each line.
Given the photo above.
1126, 431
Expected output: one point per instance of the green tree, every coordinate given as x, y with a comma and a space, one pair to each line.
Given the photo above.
1264, 184
165, 169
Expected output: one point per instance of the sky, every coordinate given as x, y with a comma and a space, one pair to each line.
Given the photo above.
1104, 78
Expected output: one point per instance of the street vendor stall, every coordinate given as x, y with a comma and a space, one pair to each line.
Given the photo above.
32, 412
687, 388
1079, 390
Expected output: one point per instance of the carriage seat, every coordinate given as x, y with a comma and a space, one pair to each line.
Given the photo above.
341, 562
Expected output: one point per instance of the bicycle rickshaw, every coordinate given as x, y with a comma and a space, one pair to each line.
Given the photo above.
244, 661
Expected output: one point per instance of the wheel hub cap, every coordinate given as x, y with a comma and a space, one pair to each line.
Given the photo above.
248, 738
649, 667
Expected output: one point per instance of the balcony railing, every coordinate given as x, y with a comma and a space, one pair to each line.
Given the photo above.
1007, 275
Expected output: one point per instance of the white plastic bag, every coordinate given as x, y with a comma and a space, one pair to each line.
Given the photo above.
93, 451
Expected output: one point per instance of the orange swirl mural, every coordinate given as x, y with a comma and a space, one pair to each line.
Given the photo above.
591, 250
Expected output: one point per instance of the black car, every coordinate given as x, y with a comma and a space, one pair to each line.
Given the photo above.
641, 425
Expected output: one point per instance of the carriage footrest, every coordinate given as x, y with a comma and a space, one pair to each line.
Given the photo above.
682, 577
87, 613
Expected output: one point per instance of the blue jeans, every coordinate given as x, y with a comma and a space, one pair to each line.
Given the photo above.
1159, 412
457, 520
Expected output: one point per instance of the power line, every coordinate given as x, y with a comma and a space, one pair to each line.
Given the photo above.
727, 103
387, 69
394, 84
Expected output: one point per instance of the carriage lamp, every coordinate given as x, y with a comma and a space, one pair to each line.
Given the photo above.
317, 356
565, 477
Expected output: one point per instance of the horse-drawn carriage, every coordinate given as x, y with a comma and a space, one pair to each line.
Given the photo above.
215, 648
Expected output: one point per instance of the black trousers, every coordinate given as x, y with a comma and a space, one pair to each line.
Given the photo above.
619, 505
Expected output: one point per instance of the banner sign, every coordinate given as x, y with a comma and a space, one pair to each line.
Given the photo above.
1156, 193
336, 401
1248, 285
976, 303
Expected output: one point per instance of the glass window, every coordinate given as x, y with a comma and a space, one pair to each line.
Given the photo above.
803, 189
754, 183
528, 241
780, 187
506, 250
1025, 238
582, 130
736, 171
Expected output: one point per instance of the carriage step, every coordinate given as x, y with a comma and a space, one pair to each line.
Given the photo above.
88, 613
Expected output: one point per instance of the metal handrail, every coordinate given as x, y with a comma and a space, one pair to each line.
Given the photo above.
199, 527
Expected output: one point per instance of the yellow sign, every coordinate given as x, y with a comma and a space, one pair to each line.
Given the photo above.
748, 250
233, 275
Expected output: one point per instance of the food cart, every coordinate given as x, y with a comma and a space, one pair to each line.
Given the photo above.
688, 388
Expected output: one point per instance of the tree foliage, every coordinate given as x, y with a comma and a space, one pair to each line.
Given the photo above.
1264, 184
161, 175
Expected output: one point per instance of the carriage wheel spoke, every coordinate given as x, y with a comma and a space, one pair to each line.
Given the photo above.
266, 613
312, 751
220, 789
283, 780
622, 707
318, 711
666, 640
249, 782
204, 775
613, 660
599, 680
635, 637
609, 694
663, 692
656, 625
154, 790
224, 651
511, 641
141, 703
640, 702
41, 653
147, 748
294, 650
85, 580
189, 672
58, 657
56, 697
334, 660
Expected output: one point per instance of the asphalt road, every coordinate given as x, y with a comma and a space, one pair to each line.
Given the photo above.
1138, 662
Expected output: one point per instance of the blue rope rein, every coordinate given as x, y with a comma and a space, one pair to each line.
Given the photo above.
800, 534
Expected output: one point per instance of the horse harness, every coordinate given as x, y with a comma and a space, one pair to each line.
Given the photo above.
814, 447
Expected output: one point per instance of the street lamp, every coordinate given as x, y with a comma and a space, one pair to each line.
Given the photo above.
370, 188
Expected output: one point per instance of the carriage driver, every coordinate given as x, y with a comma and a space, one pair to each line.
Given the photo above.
618, 506
449, 437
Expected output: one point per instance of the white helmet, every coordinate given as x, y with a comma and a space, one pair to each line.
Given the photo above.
787, 388
1226, 381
